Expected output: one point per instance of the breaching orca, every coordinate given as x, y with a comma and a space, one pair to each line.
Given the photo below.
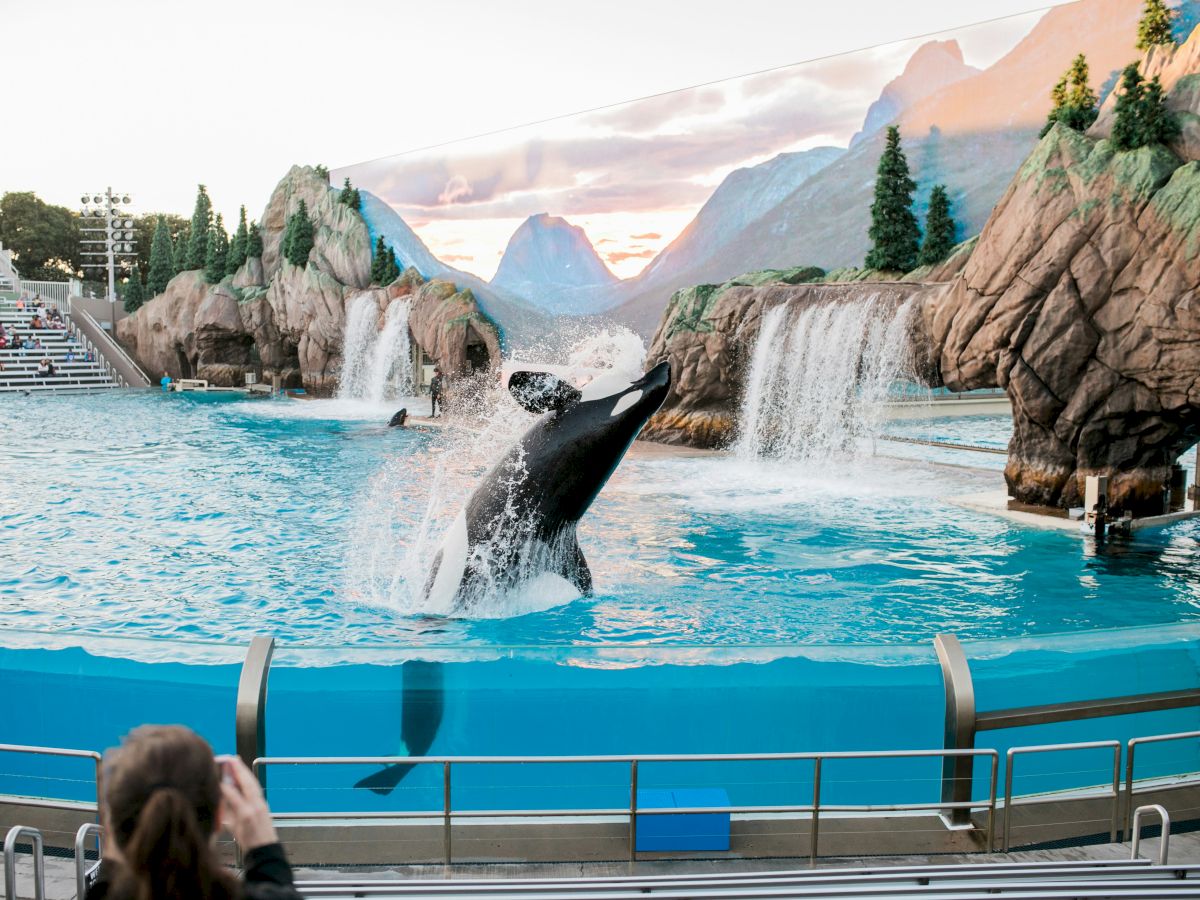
519, 524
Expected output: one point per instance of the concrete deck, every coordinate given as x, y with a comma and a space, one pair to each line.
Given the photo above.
996, 503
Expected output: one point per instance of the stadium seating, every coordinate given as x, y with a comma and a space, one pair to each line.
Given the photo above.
20, 367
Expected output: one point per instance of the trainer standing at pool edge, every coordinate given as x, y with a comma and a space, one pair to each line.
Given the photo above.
437, 387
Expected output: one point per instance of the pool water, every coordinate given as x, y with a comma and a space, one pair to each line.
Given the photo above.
166, 516
741, 605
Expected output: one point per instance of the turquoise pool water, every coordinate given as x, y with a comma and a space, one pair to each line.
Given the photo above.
741, 606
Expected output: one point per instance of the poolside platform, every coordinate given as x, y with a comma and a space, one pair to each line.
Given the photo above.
1000, 504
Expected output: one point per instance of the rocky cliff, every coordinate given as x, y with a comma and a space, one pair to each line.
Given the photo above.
274, 318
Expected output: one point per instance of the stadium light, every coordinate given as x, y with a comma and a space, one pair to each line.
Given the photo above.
113, 234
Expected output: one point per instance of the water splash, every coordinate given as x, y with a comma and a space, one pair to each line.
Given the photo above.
820, 375
376, 361
396, 540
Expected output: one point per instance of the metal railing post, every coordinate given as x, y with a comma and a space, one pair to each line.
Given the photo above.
1116, 789
633, 806
816, 813
991, 828
1137, 831
10, 862
447, 847
90, 829
250, 720
957, 771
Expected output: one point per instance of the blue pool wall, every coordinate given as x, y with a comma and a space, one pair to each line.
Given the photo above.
567, 703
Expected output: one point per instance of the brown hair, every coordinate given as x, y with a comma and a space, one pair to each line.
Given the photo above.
161, 789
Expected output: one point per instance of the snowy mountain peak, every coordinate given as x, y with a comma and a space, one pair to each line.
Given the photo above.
549, 253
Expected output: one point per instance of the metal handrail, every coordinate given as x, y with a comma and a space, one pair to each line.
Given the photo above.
1165, 818
10, 862
1014, 752
96, 758
83, 874
447, 813
1134, 743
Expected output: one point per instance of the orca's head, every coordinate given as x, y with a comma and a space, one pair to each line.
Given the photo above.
603, 406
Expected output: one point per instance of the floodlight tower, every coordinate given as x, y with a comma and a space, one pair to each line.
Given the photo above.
102, 215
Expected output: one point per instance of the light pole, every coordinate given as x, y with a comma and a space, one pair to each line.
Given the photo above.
101, 215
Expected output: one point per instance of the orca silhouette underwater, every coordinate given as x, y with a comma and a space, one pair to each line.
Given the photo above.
520, 522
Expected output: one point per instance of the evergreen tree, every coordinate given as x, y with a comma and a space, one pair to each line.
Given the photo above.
1058, 97
254, 245
1127, 129
162, 263
298, 238
182, 247
349, 195
201, 226
218, 253
1159, 124
322, 171
237, 247
1156, 25
893, 231
135, 296
1081, 109
939, 228
384, 267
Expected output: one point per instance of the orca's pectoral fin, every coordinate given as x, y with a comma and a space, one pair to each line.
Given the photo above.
385, 780
575, 568
541, 392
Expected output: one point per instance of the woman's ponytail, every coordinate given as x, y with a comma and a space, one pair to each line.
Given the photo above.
167, 854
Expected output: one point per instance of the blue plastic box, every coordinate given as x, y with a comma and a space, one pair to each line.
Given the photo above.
685, 831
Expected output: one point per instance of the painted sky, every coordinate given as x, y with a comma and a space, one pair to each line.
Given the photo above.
633, 176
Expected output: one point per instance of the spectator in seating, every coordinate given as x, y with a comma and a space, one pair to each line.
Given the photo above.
45, 368
37, 322
29, 343
163, 797
20, 304
70, 356
89, 356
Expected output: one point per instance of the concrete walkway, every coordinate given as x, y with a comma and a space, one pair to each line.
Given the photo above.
1184, 849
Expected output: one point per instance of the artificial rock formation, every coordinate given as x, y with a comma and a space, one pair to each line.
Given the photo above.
276, 319
708, 334
1081, 300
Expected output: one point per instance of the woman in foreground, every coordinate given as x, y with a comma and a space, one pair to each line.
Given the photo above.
163, 798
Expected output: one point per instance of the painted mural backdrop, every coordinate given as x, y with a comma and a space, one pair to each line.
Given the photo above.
609, 212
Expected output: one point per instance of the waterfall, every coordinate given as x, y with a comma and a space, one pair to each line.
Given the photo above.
375, 362
819, 377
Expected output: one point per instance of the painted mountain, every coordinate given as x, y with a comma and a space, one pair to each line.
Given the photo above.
520, 321
971, 134
551, 263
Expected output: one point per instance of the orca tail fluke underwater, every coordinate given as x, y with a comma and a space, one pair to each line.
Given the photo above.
384, 781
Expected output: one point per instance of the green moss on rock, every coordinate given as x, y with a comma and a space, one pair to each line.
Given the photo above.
1178, 204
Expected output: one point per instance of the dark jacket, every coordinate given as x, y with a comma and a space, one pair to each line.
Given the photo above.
267, 875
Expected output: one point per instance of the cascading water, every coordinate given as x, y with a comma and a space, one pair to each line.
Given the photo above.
819, 377
375, 362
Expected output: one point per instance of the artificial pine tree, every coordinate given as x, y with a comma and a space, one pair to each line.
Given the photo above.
201, 225
254, 245
384, 268
180, 256
893, 231
1156, 25
298, 238
218, 253
1159, 124
349, 196
1081, 108
162, 265
1127, 129
237, 247
1058, 97
134, 295
939, 228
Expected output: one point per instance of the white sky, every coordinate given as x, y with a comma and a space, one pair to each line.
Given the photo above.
152, 97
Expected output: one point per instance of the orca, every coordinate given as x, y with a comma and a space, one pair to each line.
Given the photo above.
398, 420
422, 700
519, 524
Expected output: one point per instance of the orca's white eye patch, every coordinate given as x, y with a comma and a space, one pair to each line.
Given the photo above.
626, 401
